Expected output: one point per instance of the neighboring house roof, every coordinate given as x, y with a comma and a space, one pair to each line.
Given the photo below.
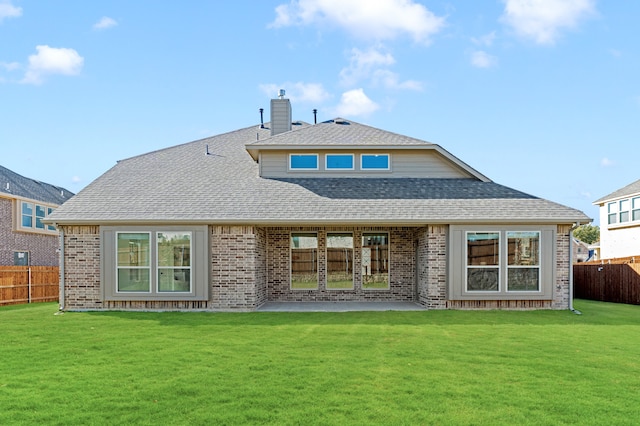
16, 185
631, 189
216, 180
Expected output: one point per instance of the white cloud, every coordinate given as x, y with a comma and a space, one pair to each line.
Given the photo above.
10, 66
7, 10
485, 40
104, 23
362, 63
76, 179
370, 65
298, 92
481, 59
543, 20
51, 60
605, 162
355, 103
391, 80
365, 19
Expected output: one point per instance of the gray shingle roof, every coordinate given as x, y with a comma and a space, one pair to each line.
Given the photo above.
14, 184
184, 185
339, 132
631, 189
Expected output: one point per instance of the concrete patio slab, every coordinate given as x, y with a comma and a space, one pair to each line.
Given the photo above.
339, 306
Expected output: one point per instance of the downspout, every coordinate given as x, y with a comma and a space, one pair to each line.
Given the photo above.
62, 297
571, 308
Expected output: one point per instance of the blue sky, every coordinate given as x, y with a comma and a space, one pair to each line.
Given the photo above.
538, 95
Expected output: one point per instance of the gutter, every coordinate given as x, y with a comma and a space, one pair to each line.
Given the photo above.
571, 308
62, 296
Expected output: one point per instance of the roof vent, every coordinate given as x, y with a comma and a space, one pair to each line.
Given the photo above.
341, 121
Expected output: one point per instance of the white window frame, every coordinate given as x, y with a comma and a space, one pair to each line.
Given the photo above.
624, 209
612, 213
508, 267
158, 267
467, 266
296, 169
373, 169
148, 267
635, 208
326, 162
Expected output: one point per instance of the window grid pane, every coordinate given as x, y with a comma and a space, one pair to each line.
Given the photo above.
304, 261
483, 261
374, 161
133, 262
375, 261
523, 270
339, 161
340, 261
303, 161
174, 261
27, 215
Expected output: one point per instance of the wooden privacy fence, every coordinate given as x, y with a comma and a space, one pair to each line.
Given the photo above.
609, 280
27, 284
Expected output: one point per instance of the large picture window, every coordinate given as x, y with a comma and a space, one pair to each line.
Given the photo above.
491, 262
133, 262
304, 261
523, 269
146, 263
339, 261
174, 261
375, 261
483, 261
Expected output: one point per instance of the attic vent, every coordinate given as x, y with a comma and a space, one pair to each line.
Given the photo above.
343, 122
7, 188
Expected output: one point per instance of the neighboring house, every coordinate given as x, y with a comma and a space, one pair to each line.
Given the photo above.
334, 211
24, 204
581, 251
620, 222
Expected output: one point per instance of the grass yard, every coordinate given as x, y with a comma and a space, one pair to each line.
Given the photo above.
431, 367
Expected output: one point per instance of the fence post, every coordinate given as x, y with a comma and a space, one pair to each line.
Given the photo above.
29, 296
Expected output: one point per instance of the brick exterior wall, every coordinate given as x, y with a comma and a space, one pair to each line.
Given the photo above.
238, 270
401, 266
251, 265
81, 268
432, 266
42, 248
561, 289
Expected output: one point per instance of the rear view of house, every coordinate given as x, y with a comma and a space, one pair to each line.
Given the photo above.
291, 211
25, 203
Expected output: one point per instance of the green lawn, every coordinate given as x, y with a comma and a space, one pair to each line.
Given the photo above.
392, 368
